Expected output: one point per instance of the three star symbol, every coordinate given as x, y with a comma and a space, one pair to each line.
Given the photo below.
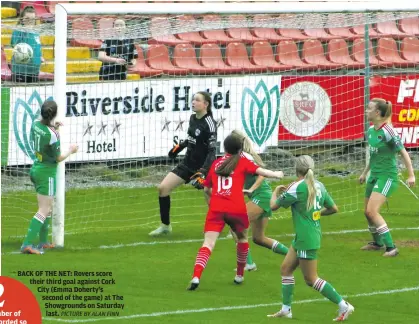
220, 121
116, 127
180, 124
103, 128
88, 129
166, 124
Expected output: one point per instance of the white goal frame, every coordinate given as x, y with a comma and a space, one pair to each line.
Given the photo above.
62, 11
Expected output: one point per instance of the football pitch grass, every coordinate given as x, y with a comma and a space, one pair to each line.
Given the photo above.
152, 273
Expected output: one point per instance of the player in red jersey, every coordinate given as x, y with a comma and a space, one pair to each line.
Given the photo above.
224, 191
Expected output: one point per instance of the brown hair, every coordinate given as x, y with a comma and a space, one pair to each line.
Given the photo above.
384, 107
207, 98
48, 111
232, 145
27, 9
248, 147
304, 166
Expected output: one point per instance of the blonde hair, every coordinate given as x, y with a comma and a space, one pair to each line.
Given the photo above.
304, 166
248, 147
384, 107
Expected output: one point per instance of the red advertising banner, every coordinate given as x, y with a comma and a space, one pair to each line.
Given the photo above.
317, 108
403, 92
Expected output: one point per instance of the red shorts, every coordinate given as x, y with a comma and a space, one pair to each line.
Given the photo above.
216, 221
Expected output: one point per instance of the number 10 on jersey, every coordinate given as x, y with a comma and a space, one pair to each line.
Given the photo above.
224, 183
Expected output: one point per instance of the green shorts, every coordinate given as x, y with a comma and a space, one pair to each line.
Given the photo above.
305, 254
44, 181
263, 200
382, 184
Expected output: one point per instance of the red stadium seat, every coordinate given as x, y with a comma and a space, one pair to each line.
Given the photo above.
81, 26
211, 57
218, 34
359, 32
262, 55
410, 49
287, 54
292, 33
358, 53
410, 26
342, 32
39, 7
158, 58
141, 67
319, 33
389, 29
241, 34
236, 55
191, 37
313, 53
266, 33
159, 25
105, 26
6, 74
338, 52
184, 56
388, 53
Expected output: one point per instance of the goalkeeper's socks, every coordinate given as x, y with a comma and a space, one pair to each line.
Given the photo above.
164, 203
43, 233
34, 229
201, 261
279, 248
242, 250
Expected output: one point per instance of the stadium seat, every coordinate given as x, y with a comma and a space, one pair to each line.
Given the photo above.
292, 33
7, 12
338, 52
192, 37
211, 57
6, 74
141, 67
319, 33
342, 32
184, 56
262, 55
158, 25
218, 34
389, 29
158, 58
388, 53
287, 54
266, 33
410, 49
39, 7
313, 53
236, 55
81, 26
358, 53
359, 32
105, 26
241, 34
410, 26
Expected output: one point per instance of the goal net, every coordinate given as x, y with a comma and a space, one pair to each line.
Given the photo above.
295, 83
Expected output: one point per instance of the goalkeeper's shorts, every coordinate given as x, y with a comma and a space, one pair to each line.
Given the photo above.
216, 221
184, 172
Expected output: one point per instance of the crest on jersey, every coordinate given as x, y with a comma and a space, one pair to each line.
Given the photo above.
305, 109
197, 132
24, 114
260, 112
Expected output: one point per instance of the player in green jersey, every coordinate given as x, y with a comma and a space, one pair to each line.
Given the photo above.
46, 143
258, 207
384, 145
309, 201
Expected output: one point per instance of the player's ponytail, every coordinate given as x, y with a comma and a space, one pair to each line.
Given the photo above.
232, 145
384, 107
248, 147
304, 166
208, 100
48, 112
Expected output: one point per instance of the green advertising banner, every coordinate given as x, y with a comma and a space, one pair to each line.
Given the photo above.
5, 112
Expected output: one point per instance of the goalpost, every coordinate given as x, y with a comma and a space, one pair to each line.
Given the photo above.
287, 110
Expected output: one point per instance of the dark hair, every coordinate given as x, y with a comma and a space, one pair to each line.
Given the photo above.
27, 9
48, 111
383, 106
207, 98
232, 145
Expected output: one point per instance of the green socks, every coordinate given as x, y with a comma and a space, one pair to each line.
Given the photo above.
34, 228
43, 234
288, 284
385, 236
279, 248
327, 290
249, 259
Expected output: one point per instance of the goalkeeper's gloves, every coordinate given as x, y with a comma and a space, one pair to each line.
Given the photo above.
197, 180
173, 153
